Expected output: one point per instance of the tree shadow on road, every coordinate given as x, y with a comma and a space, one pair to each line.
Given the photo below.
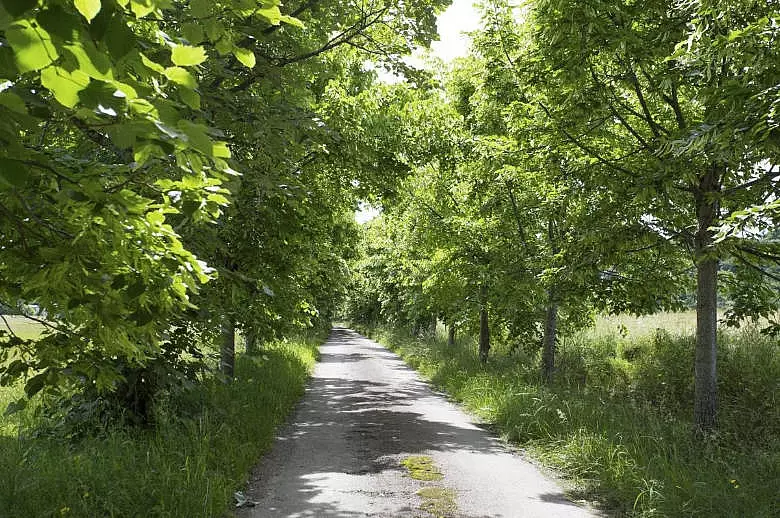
348, 428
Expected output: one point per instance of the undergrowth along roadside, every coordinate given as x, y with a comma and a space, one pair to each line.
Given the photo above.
184, 467
634, 456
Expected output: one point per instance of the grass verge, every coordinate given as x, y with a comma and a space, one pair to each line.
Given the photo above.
616, 423
185, 467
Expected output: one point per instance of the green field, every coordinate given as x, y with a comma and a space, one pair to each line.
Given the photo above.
683, 322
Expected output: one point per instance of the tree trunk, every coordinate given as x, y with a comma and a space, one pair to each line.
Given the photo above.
551, 318
705, 404
228, 351
451, 334
548, 342
484, 330
251, 342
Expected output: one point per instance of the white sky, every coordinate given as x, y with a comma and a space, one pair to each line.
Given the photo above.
459, 17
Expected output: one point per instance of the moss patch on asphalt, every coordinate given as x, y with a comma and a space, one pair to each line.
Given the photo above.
439, 502
421, 467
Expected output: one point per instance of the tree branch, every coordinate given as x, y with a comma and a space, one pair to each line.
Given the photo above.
757, 268
648, 116
583, 147
770, 175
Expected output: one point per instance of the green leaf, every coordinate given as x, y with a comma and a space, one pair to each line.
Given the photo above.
13, 172
5, 18
271, 14
186, 56
190, 97
215, 29
181, 76
13, 102
220, 150
152, 65
290, 20
200, 8
142, 7
193, 32
36, 383
59, 23
32, 46
64, 85
90, 60
224, 46
197, 136
88, 8
15, 406
245, 56
119, 38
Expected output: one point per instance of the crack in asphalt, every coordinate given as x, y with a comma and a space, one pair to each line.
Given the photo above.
364, 411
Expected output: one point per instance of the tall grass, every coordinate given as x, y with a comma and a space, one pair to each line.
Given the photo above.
617, 422
184, 467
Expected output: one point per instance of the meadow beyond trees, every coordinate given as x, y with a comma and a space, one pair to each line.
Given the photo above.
178, 187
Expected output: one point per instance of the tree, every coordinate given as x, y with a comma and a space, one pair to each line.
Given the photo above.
129, 127
623, 91
101, 146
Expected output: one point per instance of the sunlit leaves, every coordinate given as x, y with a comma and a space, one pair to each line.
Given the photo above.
181, 76
88, 8
185, 56
32, 45
64, 85
245, 56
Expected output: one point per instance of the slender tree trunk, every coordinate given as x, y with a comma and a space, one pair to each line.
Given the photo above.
551, 318
705, 404
484, 329
550, 333
251, 342
451, 334
228, 351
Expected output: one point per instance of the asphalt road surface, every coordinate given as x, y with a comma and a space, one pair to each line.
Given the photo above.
365, 411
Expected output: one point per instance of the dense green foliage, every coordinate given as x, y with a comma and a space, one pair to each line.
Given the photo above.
616, 420
200, 452
176, 172
170, 169
607, 156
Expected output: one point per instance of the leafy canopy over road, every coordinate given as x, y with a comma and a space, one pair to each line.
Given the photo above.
170, 167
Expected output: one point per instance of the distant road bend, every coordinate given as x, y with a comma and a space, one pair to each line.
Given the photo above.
364, 412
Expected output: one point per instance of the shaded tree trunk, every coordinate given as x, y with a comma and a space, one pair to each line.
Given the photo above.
227, 358
705, 404
551, 317
484, 329
451, 334
550, 333
251, 342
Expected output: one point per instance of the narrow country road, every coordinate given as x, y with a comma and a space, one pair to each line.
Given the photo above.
363, 413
